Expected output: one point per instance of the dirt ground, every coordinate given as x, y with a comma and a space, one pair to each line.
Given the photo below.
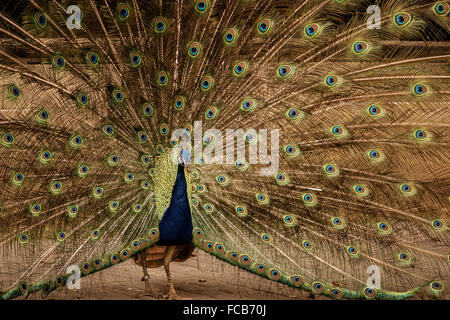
201, 277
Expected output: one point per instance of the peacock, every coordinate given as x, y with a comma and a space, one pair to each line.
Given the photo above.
304, 141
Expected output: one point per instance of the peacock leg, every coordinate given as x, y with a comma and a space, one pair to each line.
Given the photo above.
148, 291
172, 295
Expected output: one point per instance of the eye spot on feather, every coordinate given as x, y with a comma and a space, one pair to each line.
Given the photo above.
420, 89
72, 211
264, 26
352, 251
318, 287
135, 58
56, 187
142, 136
375, 155
330, 170
160, 25
7, 139
14, 92
337, 222
296, 280
92, 58
61, 236
309, 199
81, 99
436, 286
18, 178
289, 221
230, 37
23, 238
438, 225
113, 160
294, 114
40, 19
311, 30
404, 258
407, 189
207, 83
211, 113
307, 245
194, 49
369, 293
58, 61
360, 190
441, 8
97, 192
332, 81
360, 47
262, 198
123, 11
274, 274
337, 293
201, 6
35, 209
240, 68
338, 131
375, 111
402, 19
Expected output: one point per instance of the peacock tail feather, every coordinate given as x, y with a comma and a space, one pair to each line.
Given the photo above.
343, 123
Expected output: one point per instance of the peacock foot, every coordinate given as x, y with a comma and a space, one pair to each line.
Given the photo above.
172, 295
150, 293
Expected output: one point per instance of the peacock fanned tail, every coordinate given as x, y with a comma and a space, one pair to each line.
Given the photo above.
342, 108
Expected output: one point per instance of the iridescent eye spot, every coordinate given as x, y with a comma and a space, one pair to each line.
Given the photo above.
337, 131
147, 109
294, 114
123, 11
318, 287
211, 113
160, 25
332, 81
289, 221
61, 236
274, 274
352, 251
402, 19
194, 49
201, 6
108, 130
264, 26
309, 199
404, 257
55, 187
311, 30
164, 129
92, 58
7, 139
230, 36
14, 92
72, 211
285, 71
207, 83
297, 280
407, 189
162, 78
135, 58
58, 61
240, 69
142, 136
420, 89
438, 225
40, 19
262, 198
375, 155
360, 47
441, 8
360, 190
18, 178
23, 238
436, 286
307, 245
97, 192
179, 103
81, 99
369, 292
35, 209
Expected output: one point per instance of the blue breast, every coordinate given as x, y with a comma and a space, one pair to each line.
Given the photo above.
175, 227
